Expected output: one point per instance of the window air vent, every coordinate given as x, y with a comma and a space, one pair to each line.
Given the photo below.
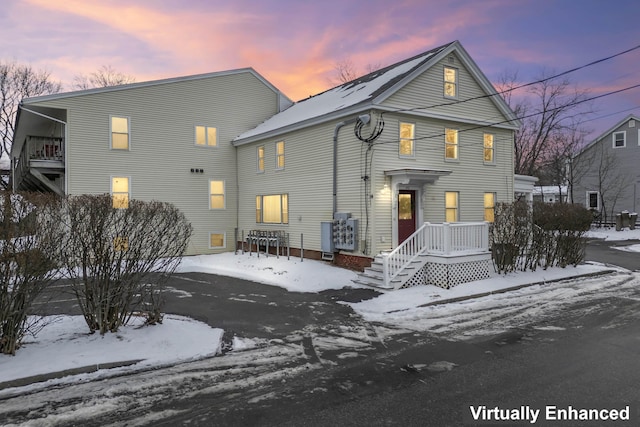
452, 60
632, 123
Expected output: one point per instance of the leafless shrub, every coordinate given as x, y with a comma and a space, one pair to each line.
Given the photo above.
545, 235
117, 259
26, 267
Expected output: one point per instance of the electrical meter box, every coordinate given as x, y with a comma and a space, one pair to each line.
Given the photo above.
326, 237
345, 232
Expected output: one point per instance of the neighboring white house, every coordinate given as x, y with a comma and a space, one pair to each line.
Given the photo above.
550, 193
606, 173
347, 174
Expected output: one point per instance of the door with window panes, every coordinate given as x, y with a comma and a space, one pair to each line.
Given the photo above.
406, 214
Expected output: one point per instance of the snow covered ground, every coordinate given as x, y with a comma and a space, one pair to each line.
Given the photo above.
64, 344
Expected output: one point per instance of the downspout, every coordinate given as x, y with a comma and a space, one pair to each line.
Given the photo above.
365, 119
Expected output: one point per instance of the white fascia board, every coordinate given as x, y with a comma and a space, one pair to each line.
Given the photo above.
304, 124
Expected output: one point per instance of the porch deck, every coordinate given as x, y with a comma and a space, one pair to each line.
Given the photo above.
441, 254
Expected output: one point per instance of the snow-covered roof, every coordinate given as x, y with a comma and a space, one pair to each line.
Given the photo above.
549, 189
342, 99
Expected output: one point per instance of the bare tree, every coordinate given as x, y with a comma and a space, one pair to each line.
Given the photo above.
346, 71
600, 167
105, 76
19, 81
551, 113
26, 268
117, 259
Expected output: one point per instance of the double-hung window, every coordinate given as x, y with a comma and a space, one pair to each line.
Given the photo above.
260, 159
206, 136
450, 144
593, 200
451, 213
216, 195
407, 140
619, 139
120, 192
450, 82
119, 133
489, 148
272, 209
489, 206
280, 155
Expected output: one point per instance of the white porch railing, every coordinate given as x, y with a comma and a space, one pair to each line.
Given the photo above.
448, 239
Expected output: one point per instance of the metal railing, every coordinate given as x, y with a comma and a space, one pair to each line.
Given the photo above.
448, 239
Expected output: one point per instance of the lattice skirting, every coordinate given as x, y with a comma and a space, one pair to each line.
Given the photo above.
448, 272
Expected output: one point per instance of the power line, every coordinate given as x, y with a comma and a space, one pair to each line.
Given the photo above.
581, 101
598, 61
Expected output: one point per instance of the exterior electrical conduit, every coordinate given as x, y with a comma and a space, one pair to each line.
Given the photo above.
365, 118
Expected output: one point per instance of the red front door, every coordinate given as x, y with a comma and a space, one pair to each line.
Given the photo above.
406, 214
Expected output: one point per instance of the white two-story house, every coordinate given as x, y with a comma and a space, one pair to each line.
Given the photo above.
347, 174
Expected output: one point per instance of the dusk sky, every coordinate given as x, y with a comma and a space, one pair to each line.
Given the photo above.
295, 44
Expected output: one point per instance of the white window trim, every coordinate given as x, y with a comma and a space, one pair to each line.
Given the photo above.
262, 221
128, 188
206, 136
284, 152
224, 240
111, 117
264, 152
493, 149
624, 139
413, 141
224, 194
589, 193
456, 83
457, 208
457, 144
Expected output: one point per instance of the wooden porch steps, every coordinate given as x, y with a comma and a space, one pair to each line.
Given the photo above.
374, 276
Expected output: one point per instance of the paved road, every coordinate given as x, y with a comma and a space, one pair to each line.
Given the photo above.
323, 365
605, 252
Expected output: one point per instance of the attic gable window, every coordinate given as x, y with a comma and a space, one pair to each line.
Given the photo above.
619, 139
450, 82
119, 133
206, 136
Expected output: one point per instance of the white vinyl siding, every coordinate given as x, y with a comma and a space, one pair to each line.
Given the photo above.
241, 102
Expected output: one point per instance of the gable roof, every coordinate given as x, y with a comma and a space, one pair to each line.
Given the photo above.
365, 92
285, 102
609, 132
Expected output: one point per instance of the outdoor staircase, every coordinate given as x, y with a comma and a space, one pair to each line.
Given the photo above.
452, 251
374, 275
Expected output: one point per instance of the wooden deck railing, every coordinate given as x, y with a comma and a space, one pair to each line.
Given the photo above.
448, 239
